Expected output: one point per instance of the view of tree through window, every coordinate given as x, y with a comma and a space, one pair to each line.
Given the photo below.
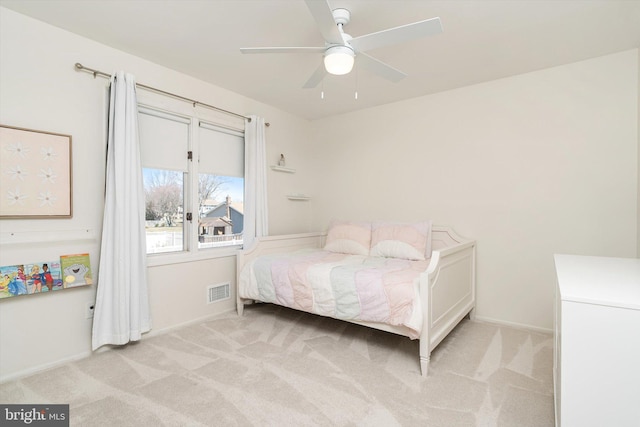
209, 187
220, 200
220, 186
220, 210
180, 151
164, 213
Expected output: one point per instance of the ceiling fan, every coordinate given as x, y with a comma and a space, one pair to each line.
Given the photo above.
341, 50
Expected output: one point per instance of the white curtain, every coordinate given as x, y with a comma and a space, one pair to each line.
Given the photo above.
122, 301
255, 184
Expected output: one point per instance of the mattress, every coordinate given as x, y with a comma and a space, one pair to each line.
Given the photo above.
342, 286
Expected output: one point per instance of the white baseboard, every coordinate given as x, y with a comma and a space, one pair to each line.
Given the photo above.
50, 365
154, 332
162, 331
513, 324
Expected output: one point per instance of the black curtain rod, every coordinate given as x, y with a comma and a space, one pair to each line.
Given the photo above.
96, 73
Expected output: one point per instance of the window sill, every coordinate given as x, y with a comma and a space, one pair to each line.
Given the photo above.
156, 260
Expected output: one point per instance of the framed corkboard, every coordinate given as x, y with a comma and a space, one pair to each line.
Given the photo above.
36, 177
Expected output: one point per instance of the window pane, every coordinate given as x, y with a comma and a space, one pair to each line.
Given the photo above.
164, 214
221, 210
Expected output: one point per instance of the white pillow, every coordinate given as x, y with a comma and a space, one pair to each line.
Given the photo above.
349, 237
410, 241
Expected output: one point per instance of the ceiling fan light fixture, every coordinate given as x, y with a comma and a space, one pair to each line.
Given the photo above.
339, 60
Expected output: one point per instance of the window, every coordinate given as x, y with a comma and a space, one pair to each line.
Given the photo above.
164, 210
187, 200
164, 143
220, 186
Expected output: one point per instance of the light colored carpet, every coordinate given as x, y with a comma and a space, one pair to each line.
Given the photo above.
279, 367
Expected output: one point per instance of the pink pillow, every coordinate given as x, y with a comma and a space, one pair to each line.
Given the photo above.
349, 237
410, 241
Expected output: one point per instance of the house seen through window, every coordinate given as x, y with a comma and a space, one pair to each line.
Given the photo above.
182, 212
220, 222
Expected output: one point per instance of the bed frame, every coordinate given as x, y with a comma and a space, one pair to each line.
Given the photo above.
447, 286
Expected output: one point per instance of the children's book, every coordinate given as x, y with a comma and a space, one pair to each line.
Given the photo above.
23, 279
76, 270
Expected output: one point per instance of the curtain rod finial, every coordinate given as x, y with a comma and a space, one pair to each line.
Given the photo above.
79, 66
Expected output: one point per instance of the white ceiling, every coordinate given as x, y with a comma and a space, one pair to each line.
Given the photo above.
483, 40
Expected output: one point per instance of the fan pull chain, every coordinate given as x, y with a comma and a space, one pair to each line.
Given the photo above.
356, 94
322, 90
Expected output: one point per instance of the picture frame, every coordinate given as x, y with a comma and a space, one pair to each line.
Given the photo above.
36, 177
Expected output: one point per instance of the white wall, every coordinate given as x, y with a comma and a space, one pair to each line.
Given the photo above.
39, 89
531, 165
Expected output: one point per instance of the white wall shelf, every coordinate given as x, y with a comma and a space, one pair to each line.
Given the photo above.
300, 197
282, 169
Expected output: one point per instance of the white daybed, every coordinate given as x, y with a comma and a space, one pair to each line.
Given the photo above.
445, 289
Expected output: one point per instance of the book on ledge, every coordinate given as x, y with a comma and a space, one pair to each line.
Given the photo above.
76, 270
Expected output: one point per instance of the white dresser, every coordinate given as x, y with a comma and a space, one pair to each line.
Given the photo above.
597, 342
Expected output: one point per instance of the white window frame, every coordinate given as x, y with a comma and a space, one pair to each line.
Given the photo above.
196, 156
195, 114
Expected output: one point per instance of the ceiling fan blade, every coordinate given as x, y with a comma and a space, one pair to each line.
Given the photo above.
378, 67
397, 35
315, 78
282, 49
321, 12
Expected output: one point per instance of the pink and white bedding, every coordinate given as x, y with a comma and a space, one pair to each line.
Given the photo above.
339, 285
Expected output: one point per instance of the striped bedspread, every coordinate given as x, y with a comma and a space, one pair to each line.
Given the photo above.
343, 286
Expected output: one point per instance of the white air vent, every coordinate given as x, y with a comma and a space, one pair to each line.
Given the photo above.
218, 292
